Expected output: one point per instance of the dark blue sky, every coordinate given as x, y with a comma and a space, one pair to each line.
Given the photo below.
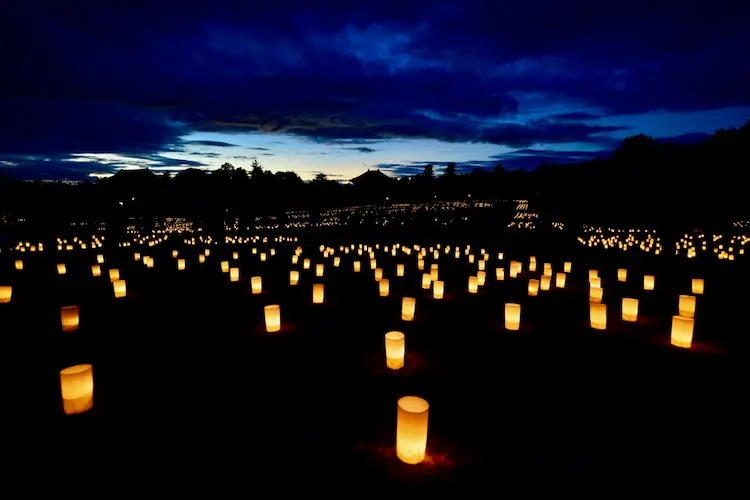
339, 87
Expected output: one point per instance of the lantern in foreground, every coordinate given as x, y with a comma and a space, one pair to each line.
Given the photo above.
395, 350
399, 269
336, 261
560, 280
180, 264
473, 284
69, 318
96, 270
6, 292
481, 278
411, 429
293, 277
378, 272
595, 282
512, 316
19, 265
77, 388
697, 286
318, 293
306, 264
120, 288
224, 266
595, 295
263, 256
593, 273
437, 289
544, 283
648, 282
426, 281
383, 286
629, 309
256, 283
533, 287
319, 269
499, 274
686, 306
273, 318
234, 274
61, 269
622, 275
357, 266
682, 331
598, 315
114, 274
408, 307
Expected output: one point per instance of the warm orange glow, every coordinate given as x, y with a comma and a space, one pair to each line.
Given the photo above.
512, 316
263, 256
77, 388
100, 259
595, 282
273, 318
201, 259
357, 266
319, 269
6, 293
560, 280
383, 286
595, 295
499, 274
234, 274
306, 264
482, 265
411, 429
399, 269
256, 284
426, 281
567, 266
686, 306
180, 264
437, 289
629, 309
473, 284
114, 274
96, 270
682, 331
295, 259
622, 275
119, 288
61, 269
318, 293
69, 318
598, 315
395, 350
481, 278
235, 255
136, 256
545, 282
293, 277
336, 261
648, 282
378, 272
408, 308
175, 253
19, 265
593, 273
224, 266
697, 286
533, 287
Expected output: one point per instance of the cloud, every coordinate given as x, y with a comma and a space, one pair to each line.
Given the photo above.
217, 144
362, 149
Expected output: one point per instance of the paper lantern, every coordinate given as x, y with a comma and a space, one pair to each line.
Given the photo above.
512, 316
100, 259
482, 265
499, 274
136, 256
411, 429
318, 293
532, 266
426, 281
6, 293
77, 388
481, 278
686, 306
629, 309
234, 274
19, 265
224, 266
119, 288
207, 252
273, 318
547, 269
420, 265
593, 273
201, 259
114, 274
697, 286
336, 261
408, 307
319, 269
357, 266
293, 277
533, 287
378, 274
180, 264
682, 331
648, 282
595, 282
595, 295
473, 284
567, 266
434, 273
622, 275
263, 256
383, 286
306, 264
545, 282
395, 350
96, 270
61, 269
399, 269
256, 283
235, 255
295, 259
175, 254
69, 318
149, 261
437, 289
560, 280
373, 264
598, 315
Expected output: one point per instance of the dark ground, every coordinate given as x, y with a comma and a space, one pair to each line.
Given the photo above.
190, 391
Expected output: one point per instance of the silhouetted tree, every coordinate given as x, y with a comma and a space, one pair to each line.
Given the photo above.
450, 170
428, 171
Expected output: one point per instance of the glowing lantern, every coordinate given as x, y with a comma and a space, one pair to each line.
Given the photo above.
119, 288
560, 280
235, 255
336, 261
6, 292
686, 306
697, 286
395, 350
306, 264
411, 429
175, 254
100, 259
319, 269
207, 252
114, 274
481, 278
499, 274
224, 266
318, 293
482, 264
420, 264
383, 286
136, 256
622, 275
595, 295
682, 331
180, 264
295, 259
201, 259
426, 281
19, 265
629, 309
408, 307
648, 282
567, 266
96, 270
77, 388
533, 287
532, 266
357, 266
61, 269
434, 273
595, 282
273, 318
263, 256
598, 315
437, 289
473, 284
293, 277
547, 269
69, 318
512, 316
373, 264
234, 274
593, 273
256, 283
545, 282
399, 269
378, 274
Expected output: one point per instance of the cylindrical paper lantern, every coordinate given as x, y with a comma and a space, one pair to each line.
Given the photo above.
96, 270
306, 264
544, 283
373, 264
567, 266
547, 269
622, 275
136, 256
533, 287
408, 307
357, 266
6, 292
295, 259
100, 259
395, 350
399, 269
420, 264
235, 255
595, 295
481, 278
411, 429
273, 318
473, 284
512, 316
77, 388
336, 261
19, 265
593, 273
499, 274
648, 282
383, 286
686, 306
697, 286
482, 264
560, 280
120, 288
201, 259
426, 281
378, 274
437, 289
234, 274
595, 282
682, 331
598, 315
293, 277
180, 264
114, 274
61, 269
69, 318
175, 254
532, 266
319, 269
224, 266
434, 273
629, 309
263, 256
256, 283
318, 293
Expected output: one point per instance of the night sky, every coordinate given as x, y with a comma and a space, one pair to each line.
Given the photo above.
87, 88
